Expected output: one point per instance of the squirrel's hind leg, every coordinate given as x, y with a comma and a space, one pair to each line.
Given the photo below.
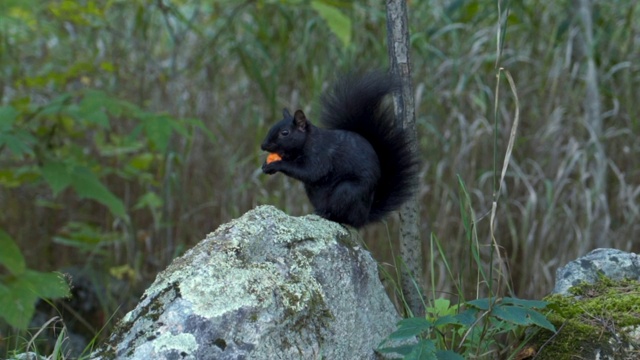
350, 203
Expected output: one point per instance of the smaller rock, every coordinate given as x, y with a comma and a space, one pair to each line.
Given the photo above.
612, 263
598, 320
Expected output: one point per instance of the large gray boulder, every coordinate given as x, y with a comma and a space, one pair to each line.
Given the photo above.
264, 286
612, 263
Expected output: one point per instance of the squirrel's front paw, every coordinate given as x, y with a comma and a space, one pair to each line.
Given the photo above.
269, 169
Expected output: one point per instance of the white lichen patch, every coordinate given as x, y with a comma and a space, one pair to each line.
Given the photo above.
180, 342
244, 266
230, 291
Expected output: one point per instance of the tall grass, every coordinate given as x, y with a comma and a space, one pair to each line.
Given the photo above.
235, 65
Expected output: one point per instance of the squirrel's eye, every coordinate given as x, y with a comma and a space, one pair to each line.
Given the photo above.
284, 132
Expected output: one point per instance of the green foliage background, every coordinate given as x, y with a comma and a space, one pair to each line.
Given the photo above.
131, 128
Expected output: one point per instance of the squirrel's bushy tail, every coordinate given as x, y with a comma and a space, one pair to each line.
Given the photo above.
355, 103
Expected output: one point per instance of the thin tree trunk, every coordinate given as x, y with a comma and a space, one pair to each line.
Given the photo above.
410, 244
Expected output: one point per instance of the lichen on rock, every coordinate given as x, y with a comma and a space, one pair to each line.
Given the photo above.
263, 285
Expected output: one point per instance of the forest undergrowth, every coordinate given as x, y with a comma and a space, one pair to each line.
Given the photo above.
128, 130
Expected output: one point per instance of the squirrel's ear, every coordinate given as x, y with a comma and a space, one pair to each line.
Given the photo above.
300, 120
285, 113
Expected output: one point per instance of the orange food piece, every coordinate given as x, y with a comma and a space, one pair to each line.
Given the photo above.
273, 157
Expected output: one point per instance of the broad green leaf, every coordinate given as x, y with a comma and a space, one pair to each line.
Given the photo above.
85, 237
123, 146
538, 304
74, 243
142, 161
56, 105
339, 23
467, 317
97, 117
424, 350
17, 303
8, 178
93, 100
57, 175
93, 109
122, 107
411, 327
10, 255
158, 129
446, 320
441, 307
81, 235
179, 126
482, 304
46, 285
17, 176
87, 185
7, 117
123, 272
150, 200
22, 13
540, 320
107, 66
18, 295
27, 174
448, 355
18, 141
512, 314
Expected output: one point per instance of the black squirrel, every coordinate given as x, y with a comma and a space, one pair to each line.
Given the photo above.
360, 166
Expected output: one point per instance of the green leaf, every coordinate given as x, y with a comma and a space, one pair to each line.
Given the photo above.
467, 317
18, 295
158, 129
56, 105
482, 304
142, 161
87, 185
107, 66
17, 176
150, 200
424, 350
17, 304
98, 117
8, 178
10, 255
540, 320
411, 327
84, 236
18, 141
448, 355
446, 320
538, 304
93, 109
441, 307
7, 117
57, 175
46, 285
339, 23
178, 126
512, 314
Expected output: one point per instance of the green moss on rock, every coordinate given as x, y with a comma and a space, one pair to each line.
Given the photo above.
597, 319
